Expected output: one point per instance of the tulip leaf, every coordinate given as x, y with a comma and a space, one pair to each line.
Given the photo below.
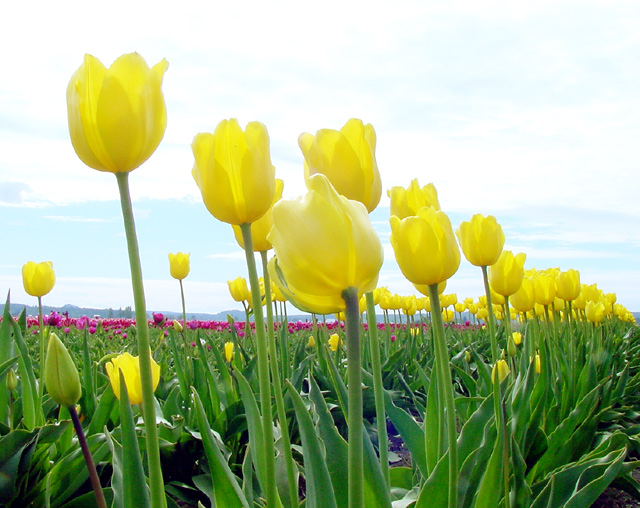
25, 366
6, 352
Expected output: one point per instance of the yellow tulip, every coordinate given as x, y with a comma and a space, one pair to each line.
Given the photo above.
130, 367
594, 311
311, 342
347, 158
38, 279
179, 265
324, 244
448, 315
60, 374
506, 275
481, 240
334, 341
260, 228
407, 202
228, 351
117, 116
523, 300
239, 290
425, 247
568, 285
517, 338
501, 369
544, 289
234, 172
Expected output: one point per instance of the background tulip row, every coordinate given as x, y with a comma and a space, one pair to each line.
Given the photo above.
534, 408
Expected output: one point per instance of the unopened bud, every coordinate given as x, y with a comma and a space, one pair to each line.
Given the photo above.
60, 374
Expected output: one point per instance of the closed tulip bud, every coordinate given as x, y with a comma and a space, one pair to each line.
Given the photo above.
179, 265
481, 240
537, 363
407, 202
117, 116
239, 290
177, 326
38, 279
234, 172
512, 350
60, 374
260, 228
311, 342
501, 369
425, 247
11, 380
523, 300
228, 351
517, 338
467, 356
130, 367
544, 289
568, 285
324, 244
506, 275
334, 341
594, 311
347, 158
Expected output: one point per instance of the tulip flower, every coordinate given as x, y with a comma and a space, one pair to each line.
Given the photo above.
407, 202
517, 338
228, 351
544, 288
334, 341
130, 367
481, 240
347, 158
505, 276
425, 247
239, 290
117, 116
568, 285
234, 172
594, 311
179, 265
501, 369
60, 374
311, 342
324, 244
38, 279
260, 228
523, 300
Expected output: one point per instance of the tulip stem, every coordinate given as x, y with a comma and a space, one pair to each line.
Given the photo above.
156, 482
271, 492
378, 388
445, 387
184, 317
495, 354
354, 404
277, 388
93, 474
40, 413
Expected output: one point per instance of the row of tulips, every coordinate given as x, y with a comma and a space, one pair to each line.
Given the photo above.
486, 439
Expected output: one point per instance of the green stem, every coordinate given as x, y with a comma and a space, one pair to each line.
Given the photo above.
263, 371
93, 474
184, 313
354, 404
156, 482
378, 388
40, 412
277, 389
495, 353
445, 387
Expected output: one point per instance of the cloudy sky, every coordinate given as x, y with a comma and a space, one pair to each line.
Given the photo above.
529, 111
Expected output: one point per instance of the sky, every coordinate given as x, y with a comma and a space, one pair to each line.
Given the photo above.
528, 111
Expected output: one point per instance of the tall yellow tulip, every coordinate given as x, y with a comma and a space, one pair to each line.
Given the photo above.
594, 311
130, 366
260, 228
38, 279
505, 276
347, 158
544, 288
179, 265
117, 116
324, 244
523, 300
481, 240
234, 172
407, 202
425, 246
239, 290
568, 285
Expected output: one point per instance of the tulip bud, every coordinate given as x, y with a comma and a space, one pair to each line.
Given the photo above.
60, 374
179, 265
502, 370
334, 341
467, 356
517, 338
177, 326
228, 351
311, 342
512, 350
11, 380
38, 278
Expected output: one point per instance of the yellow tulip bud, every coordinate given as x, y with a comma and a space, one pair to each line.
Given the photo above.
177, 326
481, 240
347, 158
239, 290
234, 172
537, 363
425, 247
594, 311
117, 116
60, 374
517, 338
311, 342
260, 228
506, 275
130, 367
334, 341
38, 278
324, 244
544, 289
228, 351
407, 202
501, 368
568, 285
179, 265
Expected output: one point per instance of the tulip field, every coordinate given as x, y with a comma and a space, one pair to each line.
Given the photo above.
527, 396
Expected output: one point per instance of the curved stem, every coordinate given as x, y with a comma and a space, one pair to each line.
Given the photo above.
263, 370
156, 482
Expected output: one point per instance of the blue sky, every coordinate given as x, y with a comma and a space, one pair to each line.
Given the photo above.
528, 111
